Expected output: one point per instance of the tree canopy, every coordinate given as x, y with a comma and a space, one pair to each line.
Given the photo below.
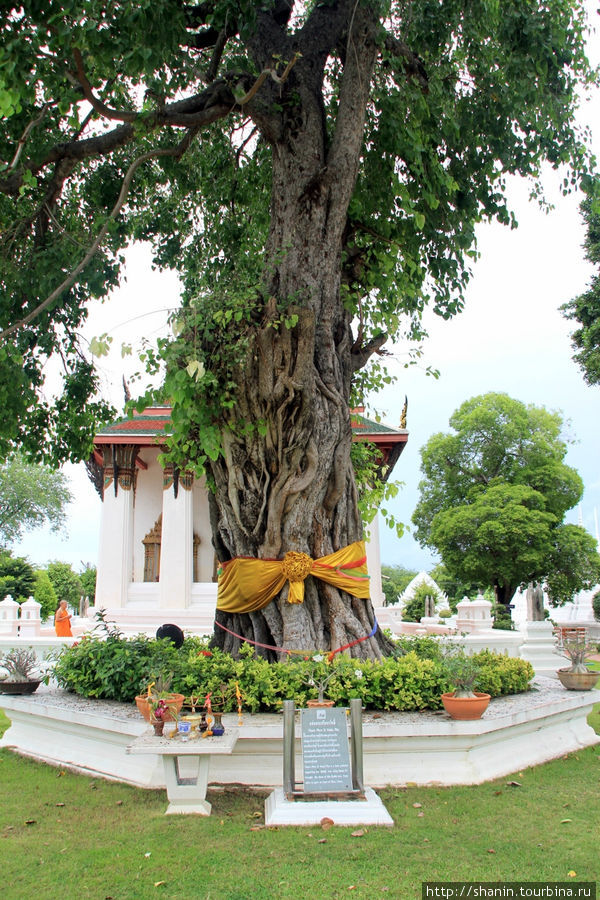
454, 97
315, 172
493, 498
17, 577
585, 309
45, 595
30, 495
65, 582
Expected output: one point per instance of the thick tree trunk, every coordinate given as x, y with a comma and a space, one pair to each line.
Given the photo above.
504, 594
292, 488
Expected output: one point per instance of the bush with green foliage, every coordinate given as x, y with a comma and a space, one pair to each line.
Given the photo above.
115, 668
596, 605
414, 609
501, 674
502, 618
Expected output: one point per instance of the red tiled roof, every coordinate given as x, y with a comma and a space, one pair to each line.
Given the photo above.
146, 429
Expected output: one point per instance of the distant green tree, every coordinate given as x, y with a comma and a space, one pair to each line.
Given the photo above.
394, 580
88, 583
17, 577
66, 583
45, 594
596, 605
30, 495
494, 497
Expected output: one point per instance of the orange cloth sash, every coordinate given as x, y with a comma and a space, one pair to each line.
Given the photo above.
247, 585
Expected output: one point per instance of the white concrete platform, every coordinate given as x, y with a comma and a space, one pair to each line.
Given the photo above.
419, 747
370, 811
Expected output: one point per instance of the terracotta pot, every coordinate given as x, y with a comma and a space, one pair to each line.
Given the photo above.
466, 707
316, 704
578, 681
175, 700
19, 687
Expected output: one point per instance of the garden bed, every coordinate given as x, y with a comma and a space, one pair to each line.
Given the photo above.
399, 747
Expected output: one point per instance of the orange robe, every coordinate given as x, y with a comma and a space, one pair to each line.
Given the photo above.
62, 623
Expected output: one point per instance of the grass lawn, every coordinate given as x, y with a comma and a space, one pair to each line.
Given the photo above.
69, 836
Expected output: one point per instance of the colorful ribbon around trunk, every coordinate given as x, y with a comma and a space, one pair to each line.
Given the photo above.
305, 653
247, 585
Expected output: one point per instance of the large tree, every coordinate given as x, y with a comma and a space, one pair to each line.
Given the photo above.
493, 498
315, 171
30, 496
585, 309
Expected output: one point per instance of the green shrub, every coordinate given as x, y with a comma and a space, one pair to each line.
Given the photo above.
425, 646
414, 609
115, 668
502, 618
502, 674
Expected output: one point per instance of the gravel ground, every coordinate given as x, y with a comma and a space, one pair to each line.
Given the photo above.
544, 690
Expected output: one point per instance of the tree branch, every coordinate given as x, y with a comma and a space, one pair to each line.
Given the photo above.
25, 136
414, 66
98, 105
216, 102
362, 354
175, 152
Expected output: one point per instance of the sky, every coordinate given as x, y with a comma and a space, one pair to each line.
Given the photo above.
510, 337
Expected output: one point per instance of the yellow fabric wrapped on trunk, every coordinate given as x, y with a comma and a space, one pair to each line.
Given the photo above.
247, 585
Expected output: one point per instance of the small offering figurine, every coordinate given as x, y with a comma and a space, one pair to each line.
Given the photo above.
209, 716
238, 695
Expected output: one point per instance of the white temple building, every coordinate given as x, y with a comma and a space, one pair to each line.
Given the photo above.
156, 561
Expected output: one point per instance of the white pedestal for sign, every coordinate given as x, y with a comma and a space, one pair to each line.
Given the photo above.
370, 811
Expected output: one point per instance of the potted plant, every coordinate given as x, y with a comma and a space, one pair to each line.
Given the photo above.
22, 672
159, 690
320, 675
577, 676
464, 702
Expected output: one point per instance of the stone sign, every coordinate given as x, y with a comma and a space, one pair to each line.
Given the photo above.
325, 755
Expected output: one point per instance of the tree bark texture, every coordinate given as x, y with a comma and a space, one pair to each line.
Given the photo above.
293, 487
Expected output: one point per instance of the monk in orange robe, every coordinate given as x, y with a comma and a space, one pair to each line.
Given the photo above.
62, 620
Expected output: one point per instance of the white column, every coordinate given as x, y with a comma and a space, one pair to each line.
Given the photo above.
115, 555
176, 552
374, 562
